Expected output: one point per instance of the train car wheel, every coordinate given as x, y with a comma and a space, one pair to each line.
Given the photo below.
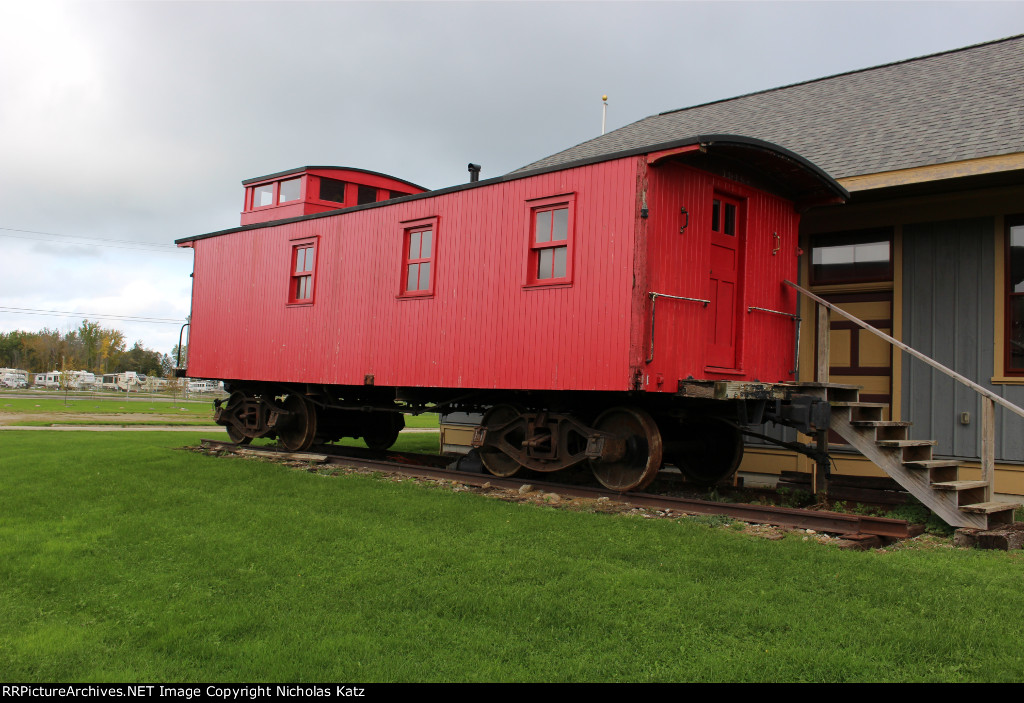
385, 431
714, 449
237, 436
299, 433
497, 421
234, 402
642, 459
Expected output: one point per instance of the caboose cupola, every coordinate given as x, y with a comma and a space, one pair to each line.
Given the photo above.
310, 189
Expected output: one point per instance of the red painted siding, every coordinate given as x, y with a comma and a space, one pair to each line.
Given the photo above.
482, 328
487, 324
680, 265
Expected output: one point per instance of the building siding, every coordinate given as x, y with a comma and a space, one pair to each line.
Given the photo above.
948, 314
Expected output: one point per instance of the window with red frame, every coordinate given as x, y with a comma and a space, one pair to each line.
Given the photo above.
551, 241
1015, 295
303, 266
418, 266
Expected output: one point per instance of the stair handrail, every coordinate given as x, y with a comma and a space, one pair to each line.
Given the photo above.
913, 352
988, 399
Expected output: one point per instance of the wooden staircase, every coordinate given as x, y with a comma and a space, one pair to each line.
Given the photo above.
934, 482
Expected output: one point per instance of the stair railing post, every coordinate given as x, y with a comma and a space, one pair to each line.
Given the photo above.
823, 343
988, 445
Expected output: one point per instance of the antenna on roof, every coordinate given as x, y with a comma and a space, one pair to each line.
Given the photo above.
604, 111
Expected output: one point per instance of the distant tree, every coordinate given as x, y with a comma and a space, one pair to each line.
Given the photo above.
184, 355
175, 386
111, 349
64, 380
89, 334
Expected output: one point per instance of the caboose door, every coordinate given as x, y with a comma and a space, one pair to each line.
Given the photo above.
723, 289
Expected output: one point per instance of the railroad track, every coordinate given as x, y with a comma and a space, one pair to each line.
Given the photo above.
433, 466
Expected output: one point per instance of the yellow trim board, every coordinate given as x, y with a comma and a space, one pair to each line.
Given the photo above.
770, 461
935, 172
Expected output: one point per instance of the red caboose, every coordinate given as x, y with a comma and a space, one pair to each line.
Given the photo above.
594, 309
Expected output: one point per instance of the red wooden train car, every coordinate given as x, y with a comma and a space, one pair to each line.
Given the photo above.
594, 310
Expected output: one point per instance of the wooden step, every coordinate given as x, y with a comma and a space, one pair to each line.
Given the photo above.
931, 463
993, 506
819, 384
906, 443
958, 485
880, 423
856, 404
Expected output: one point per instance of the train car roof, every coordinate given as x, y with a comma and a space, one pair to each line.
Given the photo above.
768, 165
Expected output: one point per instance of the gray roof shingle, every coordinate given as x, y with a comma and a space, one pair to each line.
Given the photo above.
946, 107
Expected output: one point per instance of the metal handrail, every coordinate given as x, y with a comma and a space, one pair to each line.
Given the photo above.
913, 352
987, 455
654, 301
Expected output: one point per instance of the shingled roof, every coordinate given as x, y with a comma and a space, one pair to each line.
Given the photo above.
941, 108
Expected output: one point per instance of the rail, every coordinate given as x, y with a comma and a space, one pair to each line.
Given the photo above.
988, 398
654, 301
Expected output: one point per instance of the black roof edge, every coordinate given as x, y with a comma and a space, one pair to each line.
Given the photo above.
838, 75
299, 169
708, 139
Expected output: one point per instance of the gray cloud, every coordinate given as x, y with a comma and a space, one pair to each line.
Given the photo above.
138, 121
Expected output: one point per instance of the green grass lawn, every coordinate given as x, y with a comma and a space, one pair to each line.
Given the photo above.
123, 559
77, 411
88, 406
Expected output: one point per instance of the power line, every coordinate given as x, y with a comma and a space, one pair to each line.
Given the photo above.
91, 241
85, 315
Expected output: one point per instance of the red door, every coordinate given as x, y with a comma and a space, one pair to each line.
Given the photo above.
723, 289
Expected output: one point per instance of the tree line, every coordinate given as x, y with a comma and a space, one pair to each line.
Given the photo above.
90, 347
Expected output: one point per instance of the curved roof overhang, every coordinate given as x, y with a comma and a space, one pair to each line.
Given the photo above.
757, 162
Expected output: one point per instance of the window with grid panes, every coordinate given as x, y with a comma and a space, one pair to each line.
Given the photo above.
420, 248
551, 223
303, 267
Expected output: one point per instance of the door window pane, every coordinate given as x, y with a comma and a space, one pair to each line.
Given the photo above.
852, 257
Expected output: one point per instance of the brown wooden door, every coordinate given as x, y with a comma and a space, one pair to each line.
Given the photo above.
856, 356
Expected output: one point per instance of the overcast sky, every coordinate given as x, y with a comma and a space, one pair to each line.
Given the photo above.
136, 122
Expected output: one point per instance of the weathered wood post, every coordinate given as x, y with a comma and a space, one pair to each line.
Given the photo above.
988, 445
823, 343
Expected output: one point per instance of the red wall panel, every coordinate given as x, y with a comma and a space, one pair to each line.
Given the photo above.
482, 328
680, 265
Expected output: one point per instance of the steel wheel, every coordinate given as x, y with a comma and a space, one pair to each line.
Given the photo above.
640, 464
230, 408
714, 449
497, 420
237, 436
384, 431
299, 433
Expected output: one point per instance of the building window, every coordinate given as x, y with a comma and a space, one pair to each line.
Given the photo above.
366, 195
332, 190
1015, 295
303, 271
420, 255
551, 228
852, 257
290, 190
263, 196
